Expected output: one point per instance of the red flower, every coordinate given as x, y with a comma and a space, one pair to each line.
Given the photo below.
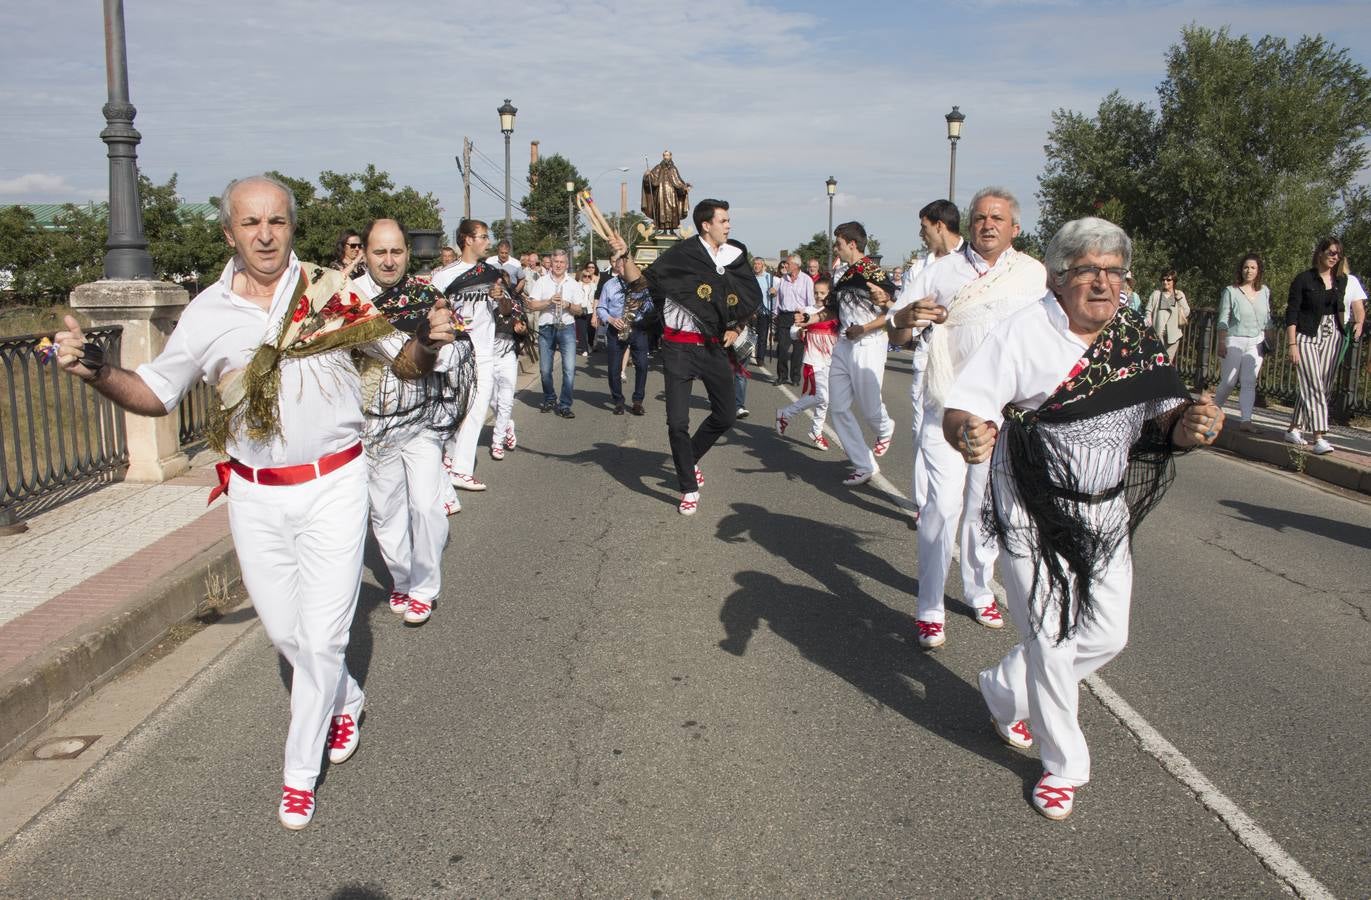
301, 310
1078, 368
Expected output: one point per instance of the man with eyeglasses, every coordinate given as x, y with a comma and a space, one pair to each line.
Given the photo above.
961, 298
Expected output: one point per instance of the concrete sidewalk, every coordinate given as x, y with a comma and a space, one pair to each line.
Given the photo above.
99, 579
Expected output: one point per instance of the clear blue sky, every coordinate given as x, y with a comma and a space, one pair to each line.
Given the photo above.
759, 101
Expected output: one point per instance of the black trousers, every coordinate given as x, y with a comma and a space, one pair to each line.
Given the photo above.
682, 364
790, 354
763, 326
637, 347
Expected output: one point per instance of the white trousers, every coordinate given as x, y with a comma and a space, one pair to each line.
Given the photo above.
1039, 680
855, 377
300, 550
918, 489
951, 513
1240, 365
406, 486
504, 374
817, 401
461, 447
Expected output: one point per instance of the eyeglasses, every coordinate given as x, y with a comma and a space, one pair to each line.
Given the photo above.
1087, 274
352, 246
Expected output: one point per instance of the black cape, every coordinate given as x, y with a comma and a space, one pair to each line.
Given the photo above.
718, 301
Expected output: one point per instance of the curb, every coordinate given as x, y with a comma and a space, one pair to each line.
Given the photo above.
1275, 452
45, 687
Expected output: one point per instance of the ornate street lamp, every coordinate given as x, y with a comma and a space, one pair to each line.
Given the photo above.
507, 113
832, 185
571, 222
954, 134
126, 250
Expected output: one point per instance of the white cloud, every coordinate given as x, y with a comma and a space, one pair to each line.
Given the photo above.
37, 183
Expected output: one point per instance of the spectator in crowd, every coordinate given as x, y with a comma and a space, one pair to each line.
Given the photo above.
794, 294
1314, 330
813, 269
765, 281
505, 261
611, 308
1244, 324
1354, 299
347, 254
1130, 295
1167, 312
553, 298
446, 256
586, 280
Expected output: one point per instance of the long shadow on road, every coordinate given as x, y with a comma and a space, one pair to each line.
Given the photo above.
850, 633
1283, 519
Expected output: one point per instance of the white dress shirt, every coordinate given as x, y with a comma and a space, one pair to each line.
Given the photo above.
320, 403
550, 286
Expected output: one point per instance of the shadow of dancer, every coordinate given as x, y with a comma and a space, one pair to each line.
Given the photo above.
632, 467
1283, 519
868, 645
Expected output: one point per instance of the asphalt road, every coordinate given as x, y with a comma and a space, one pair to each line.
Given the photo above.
614, 700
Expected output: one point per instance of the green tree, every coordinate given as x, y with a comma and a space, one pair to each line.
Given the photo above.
819, 247
1253, 146
545, 205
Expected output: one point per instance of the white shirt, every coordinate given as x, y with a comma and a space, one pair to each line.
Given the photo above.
473, 305
1353, 293
510, 265
550, 286
1023, 361
320, 404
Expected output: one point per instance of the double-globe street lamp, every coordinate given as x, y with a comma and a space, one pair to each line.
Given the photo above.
832, 185
954, 134
507, 113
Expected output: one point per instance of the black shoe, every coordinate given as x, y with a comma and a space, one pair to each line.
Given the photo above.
565, 413
546, 407
637, 409
619, 408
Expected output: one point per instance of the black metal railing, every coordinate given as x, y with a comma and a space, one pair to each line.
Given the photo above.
1198, 361
54, 430
193, 412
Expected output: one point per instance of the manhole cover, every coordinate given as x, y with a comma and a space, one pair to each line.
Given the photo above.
64, 747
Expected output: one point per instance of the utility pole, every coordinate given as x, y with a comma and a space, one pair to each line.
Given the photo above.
466, 178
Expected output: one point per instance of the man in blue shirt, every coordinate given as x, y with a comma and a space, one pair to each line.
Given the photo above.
610, 309
765, 281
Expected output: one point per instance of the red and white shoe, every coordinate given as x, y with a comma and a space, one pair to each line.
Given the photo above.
819, 441
882, 446
448, 466
451, 508
989, 615
930, 633
510, 442
497, 451
467, 482
860, 477
1054, 797
690, 503
343, 738
296, 809
699, 478
399, 602
419, 612
781, 423
1015, 734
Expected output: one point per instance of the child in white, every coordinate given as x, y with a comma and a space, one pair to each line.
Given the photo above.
819, 338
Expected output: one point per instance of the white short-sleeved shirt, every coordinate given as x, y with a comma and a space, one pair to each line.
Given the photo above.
549, 286
510, 266
218, 333
474, 306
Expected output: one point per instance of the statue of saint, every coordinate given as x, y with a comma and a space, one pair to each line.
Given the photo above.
664, 194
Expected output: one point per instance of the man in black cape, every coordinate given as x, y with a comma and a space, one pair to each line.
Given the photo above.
703, 290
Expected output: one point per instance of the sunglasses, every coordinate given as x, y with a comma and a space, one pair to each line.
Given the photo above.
352, 246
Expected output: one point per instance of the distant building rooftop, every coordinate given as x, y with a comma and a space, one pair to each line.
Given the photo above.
45, 214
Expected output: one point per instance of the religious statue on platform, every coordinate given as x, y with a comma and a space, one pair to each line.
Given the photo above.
664, 194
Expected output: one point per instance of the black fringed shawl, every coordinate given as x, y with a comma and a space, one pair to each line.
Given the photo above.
436, 401
718, 298
1073, 531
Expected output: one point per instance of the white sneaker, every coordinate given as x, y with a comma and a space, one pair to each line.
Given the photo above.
690, 503
467, 482
1293, 436
399, 602
859, 477
1054, 797
296, 809
742, 413
451, 508
343, 738
1321, 447
931, 635
781, 423
419, 612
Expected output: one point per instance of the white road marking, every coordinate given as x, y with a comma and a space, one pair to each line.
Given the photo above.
1251, 835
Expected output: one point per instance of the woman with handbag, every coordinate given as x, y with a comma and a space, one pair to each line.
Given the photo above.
1167, 312
1244, 320
1314, 327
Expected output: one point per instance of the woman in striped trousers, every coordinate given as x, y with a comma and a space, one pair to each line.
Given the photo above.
1314, 327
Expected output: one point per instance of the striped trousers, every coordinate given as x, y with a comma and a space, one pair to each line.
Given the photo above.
1318, 360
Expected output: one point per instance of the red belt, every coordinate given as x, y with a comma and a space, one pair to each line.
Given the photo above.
283, 475
677, 336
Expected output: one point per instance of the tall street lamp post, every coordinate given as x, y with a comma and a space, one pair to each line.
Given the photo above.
832, 185
592, 184
571, 222
507, 112
126, 251
954, 134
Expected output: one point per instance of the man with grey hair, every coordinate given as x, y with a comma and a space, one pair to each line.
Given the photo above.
962, 297
274, 336
794, 294
1082, 411
552, 297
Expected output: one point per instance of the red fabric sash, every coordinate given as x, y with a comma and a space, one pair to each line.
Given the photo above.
285, 474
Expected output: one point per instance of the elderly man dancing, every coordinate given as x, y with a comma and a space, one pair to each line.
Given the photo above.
1083, 412
273, 335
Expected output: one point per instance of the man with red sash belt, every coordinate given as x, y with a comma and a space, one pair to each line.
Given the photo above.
273, 335
703, 288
